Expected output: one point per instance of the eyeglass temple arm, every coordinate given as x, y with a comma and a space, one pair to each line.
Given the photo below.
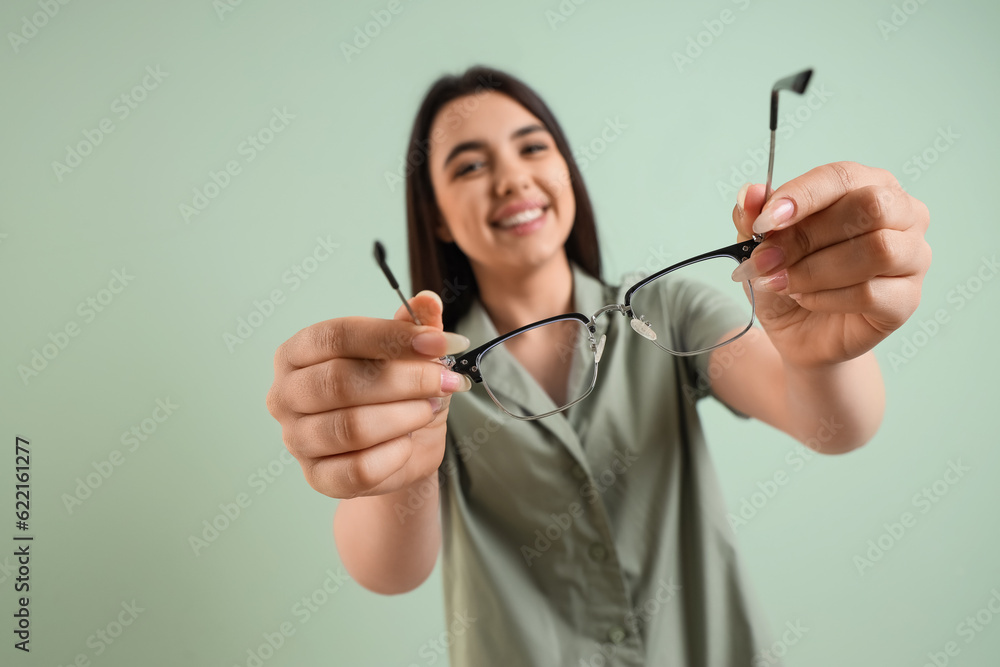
796, 83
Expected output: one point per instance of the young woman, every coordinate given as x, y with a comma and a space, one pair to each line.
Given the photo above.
596, 535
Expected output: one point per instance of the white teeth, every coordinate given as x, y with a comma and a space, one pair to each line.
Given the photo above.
520, 218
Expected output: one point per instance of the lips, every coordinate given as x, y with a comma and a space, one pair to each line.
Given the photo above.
521, 217
504, 214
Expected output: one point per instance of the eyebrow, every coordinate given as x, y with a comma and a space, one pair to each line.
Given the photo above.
479, 145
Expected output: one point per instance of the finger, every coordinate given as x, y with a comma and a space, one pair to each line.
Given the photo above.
885, 253
428, 308
359, 473
749, 201
361, 338
378, 469
863, 211
816, 190
340, 383
350, 429
886, 303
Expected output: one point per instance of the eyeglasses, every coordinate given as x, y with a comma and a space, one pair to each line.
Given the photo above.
660, 307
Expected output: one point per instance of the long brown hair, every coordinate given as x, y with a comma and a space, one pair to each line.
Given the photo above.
443, 267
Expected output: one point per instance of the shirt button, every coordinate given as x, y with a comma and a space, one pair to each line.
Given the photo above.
616, 635
597, 552
579, 472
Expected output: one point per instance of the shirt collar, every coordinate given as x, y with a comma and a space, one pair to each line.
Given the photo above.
510, 378
589, 294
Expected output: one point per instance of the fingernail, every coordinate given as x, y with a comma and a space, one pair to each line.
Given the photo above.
759, 263
773, 217
434, 295
452, 381
437, 404
456, 343
775, 283
741, 198
427, 343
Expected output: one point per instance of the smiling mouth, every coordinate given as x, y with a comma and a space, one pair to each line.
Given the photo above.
521, 218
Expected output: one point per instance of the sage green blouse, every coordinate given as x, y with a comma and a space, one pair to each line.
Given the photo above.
596, 536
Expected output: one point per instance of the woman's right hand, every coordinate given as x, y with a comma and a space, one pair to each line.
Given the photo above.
363, 402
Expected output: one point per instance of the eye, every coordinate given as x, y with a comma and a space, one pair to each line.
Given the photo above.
472, 166
465, 169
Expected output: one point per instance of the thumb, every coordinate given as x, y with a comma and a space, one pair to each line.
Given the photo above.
428, 308
749, 203
770, 308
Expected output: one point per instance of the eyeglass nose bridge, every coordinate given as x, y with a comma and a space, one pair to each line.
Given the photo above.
597, 345
620, 307
625, 310
639, 324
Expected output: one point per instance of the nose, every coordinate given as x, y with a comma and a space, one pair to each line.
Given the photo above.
511, 175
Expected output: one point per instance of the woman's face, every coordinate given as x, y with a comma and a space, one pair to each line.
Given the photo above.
500, 182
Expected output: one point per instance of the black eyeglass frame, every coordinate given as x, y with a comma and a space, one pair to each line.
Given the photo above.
469, 363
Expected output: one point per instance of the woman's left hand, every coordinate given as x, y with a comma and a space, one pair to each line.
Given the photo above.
843, 262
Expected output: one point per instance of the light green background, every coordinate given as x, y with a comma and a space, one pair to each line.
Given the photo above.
656, 192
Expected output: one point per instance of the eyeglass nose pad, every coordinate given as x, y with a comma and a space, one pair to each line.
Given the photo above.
642, 328
599, 350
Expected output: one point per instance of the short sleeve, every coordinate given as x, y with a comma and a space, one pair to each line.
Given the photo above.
700, 316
